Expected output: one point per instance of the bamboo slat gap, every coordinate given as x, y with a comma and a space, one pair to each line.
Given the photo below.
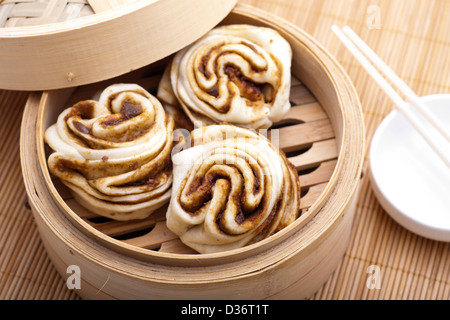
322, 174
154, 238
306, 112
298, 136
313, 193
301, 95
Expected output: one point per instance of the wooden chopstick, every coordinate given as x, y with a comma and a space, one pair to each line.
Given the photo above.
347, 39
399, 83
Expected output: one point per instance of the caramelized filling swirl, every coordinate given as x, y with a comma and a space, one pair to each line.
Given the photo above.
115, 154
238, 74
231, 188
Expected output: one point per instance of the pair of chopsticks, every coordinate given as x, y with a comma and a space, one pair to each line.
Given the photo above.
360, 50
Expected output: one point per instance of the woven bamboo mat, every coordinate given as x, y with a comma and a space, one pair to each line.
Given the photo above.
411, 35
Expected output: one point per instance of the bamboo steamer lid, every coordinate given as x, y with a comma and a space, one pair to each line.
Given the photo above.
52, 44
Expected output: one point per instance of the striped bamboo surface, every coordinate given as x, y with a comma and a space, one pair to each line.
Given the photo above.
410, 35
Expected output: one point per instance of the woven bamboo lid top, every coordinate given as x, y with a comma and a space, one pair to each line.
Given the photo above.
17, 13
51, 44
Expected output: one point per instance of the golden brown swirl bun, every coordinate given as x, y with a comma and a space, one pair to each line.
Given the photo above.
230, 189
115, 154
237, 74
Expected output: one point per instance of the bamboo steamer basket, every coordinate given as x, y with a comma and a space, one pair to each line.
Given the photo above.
322, 135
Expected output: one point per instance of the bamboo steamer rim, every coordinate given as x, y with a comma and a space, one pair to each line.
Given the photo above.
293, 239
80, 51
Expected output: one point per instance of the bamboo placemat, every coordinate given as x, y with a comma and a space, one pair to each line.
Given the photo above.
412, 36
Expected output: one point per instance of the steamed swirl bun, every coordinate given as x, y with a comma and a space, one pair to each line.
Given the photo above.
230, 189
115, 153
237, 74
